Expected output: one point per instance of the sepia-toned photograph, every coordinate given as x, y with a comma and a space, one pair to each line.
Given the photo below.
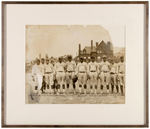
75, 64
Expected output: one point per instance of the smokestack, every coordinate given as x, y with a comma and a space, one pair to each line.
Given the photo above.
79, 49
91, 45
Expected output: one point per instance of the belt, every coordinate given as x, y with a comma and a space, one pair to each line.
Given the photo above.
81, 72
112, 73
60, 71
92, 71
48, 72
70, 71
105, 71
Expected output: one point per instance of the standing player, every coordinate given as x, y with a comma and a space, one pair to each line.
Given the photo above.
49, 73
37, 76
121, 74
60, 75
81, 72
93, 73
113, 75
104, 74
70, 73
42, 65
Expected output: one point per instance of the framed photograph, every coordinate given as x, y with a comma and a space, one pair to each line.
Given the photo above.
75, 64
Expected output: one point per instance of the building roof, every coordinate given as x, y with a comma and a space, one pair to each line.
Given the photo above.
104, 47
88, 49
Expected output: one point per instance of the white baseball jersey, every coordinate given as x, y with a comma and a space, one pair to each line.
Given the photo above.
92, 66
113, 68
70, 66
82, 67
104, 66
36, 70
48, 68
121, 67
60, 67
42, 68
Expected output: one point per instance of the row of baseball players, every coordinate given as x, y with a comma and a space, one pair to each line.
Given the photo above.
61, 76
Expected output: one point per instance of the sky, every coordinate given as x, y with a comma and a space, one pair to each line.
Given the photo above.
59, 40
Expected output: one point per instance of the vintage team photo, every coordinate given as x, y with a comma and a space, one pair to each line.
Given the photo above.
75, 64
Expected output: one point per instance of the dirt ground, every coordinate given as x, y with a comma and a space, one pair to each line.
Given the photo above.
70, 98
77, 99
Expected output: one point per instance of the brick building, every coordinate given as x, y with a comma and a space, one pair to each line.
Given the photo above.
98, 50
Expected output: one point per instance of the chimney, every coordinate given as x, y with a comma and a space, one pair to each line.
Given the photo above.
79, 49
91, 45
96, 44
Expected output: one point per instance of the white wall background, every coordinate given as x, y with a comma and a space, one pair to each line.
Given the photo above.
0, 52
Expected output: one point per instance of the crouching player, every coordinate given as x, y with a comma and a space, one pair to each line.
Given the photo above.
60, 76
121, 74
93, 73
49, 74
70, 73
81, 72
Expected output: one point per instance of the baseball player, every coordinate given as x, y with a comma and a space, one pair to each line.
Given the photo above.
49, 73
121, 74
60, 75
81, 72
37, 75
104, 74
42, 65
70, 73
93, 73
113, 75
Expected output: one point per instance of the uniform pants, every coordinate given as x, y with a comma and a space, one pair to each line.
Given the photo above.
69, 77
60, 77
39, 79
93, 79
105, 77
49, 78
121, 79
82, 78
121, 82
113, 82
113, 78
